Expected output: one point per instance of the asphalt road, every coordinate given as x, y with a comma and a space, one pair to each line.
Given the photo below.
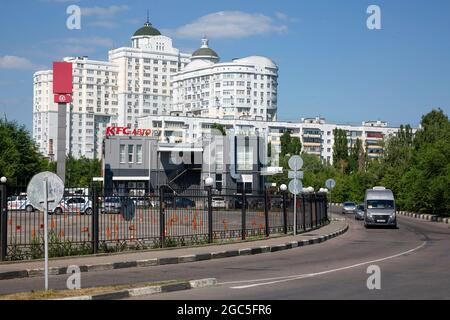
414, 262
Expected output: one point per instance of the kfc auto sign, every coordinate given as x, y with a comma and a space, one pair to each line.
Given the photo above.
125, 131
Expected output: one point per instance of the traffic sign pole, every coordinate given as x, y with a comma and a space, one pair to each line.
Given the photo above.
295, 210
46, 233
295, 163
330, 184
45, 199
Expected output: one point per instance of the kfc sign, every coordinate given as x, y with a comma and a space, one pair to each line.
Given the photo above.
62, 78
63, 98
117, 131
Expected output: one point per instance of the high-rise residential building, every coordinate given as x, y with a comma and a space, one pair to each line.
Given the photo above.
94, 105
145, 72
241, 89
134, 82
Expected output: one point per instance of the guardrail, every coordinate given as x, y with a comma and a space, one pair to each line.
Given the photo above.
103, 222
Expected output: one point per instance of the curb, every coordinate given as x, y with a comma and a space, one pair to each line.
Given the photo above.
425, 217
30, 273
150, 290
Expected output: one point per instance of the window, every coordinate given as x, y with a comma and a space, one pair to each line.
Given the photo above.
130, 153
219, 183
244, 157
139, 153
247, 187
122, 153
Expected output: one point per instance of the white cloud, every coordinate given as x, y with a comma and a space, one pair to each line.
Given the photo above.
15, 62
89, 41
108, 24
104, 11
284, 17
228, 24
103, 17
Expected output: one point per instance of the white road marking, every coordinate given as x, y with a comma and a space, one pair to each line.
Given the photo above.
310, 275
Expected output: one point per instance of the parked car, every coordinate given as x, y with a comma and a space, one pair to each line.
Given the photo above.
82, 205
142, 202
154, 203
349, 208
218, 202
238, 201
359, 213
112, 205
180, 202
20, 202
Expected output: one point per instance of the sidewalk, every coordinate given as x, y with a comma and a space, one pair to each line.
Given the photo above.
135, 259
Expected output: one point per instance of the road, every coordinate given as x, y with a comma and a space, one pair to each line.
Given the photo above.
414, 262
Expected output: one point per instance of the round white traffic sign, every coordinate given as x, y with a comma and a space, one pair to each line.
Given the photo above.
295, 186
35, 190
330, 183
295, 163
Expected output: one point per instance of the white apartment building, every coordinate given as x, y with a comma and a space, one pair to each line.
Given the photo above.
145, 72
94, 106
134, 82
316, 135
242, 89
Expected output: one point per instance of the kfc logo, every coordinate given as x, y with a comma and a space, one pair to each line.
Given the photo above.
63, 98
117, 131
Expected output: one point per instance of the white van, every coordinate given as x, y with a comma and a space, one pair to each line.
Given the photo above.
379, 206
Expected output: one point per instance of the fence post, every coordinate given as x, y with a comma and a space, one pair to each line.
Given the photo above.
266, 212
285, 223
210, 215
244, 214
315, 211
3, 222
162, 220
95, 220
304, 211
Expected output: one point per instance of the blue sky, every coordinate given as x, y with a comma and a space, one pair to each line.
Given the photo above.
330, 64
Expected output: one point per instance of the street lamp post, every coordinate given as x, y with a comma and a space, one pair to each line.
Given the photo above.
4, 218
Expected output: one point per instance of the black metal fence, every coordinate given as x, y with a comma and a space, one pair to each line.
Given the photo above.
92, 220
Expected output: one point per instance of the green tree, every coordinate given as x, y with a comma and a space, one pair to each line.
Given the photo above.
290, 145
285, 141
79, 172
354, 158
340, 150
19, 156
220, 128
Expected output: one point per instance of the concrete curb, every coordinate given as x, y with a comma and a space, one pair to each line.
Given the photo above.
425, 217
30, 273
150, 290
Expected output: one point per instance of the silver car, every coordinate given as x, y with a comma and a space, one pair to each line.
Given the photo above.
112, 205
359, 213
349, 208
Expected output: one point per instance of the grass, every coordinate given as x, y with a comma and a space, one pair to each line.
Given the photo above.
60, 294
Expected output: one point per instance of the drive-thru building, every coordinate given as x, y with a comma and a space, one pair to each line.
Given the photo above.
137, 162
